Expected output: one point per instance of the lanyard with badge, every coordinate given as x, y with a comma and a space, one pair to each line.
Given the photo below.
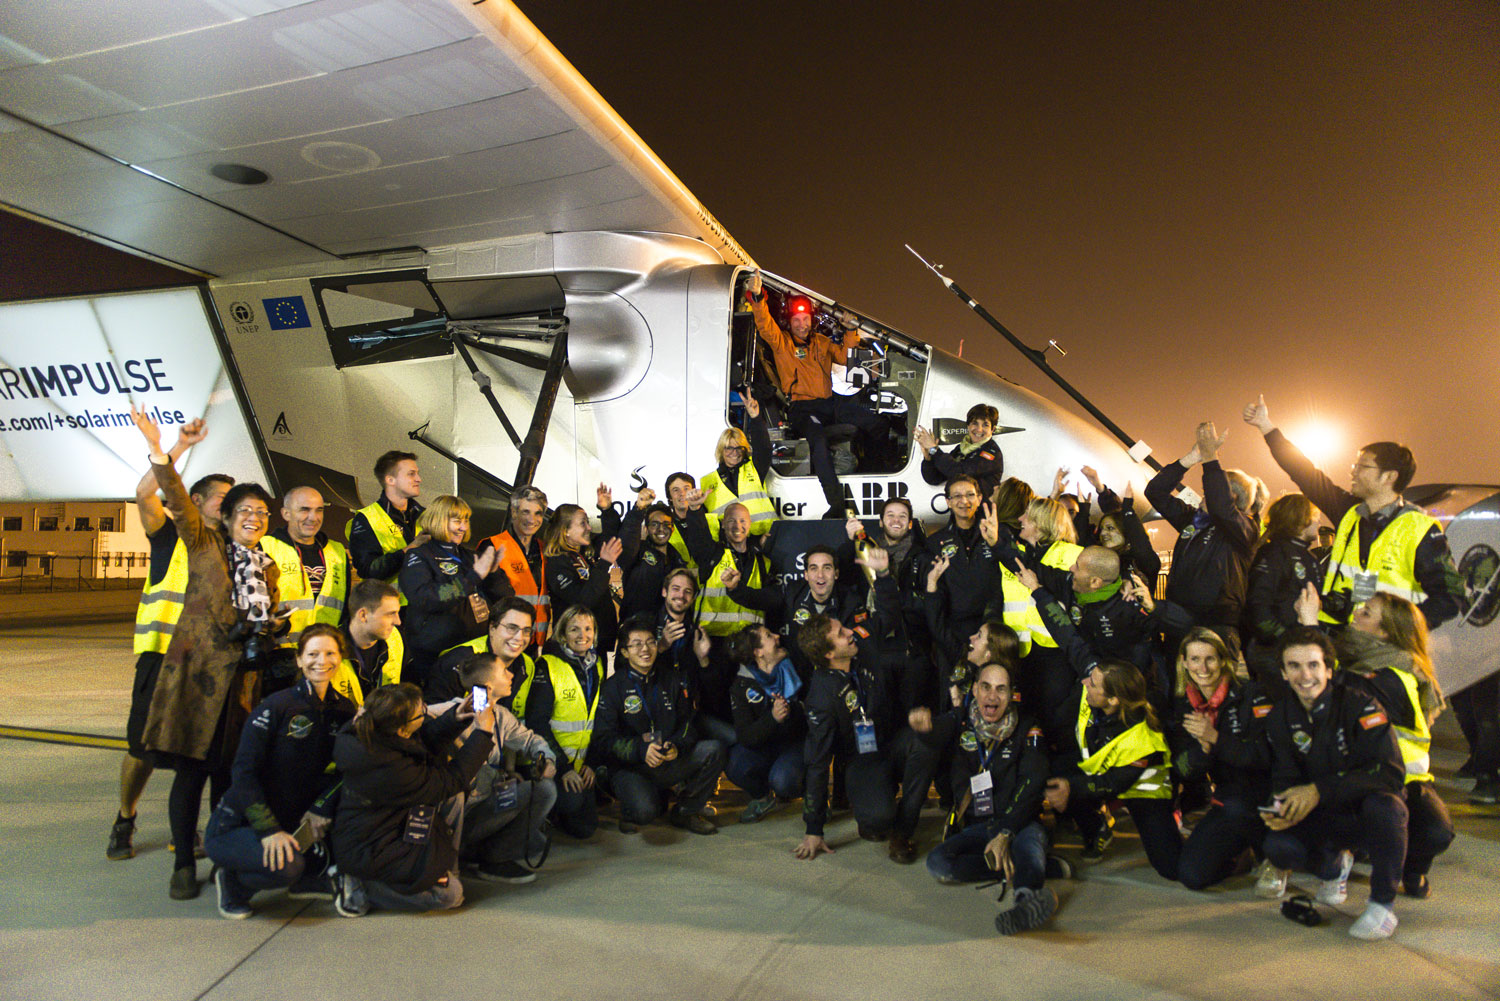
864, 727
650, 736
982, 785
1364, 582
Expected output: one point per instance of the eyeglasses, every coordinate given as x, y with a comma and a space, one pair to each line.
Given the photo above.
258, 513
734, 448
964, 496
641, 645
510, 629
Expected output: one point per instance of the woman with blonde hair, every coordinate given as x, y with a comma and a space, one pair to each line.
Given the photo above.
744, 463
1216, 737
448, 587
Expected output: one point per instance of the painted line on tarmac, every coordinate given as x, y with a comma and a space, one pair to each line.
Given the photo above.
98, 740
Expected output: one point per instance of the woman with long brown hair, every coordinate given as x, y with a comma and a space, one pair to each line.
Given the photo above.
583, 570
1283, 564
393, 838
1122, 754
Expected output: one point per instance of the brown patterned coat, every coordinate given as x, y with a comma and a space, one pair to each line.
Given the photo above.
200, 680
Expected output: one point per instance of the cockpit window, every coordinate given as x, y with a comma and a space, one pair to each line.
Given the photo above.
887, 373
381, 318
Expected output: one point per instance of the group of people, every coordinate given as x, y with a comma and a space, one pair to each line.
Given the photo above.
377, 721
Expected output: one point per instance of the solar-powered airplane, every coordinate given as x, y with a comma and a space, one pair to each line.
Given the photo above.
418, 221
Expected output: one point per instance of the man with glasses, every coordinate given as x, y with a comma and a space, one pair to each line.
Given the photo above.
314, 570
648, 561
961, 571
1383, 543
648, 732
507, 637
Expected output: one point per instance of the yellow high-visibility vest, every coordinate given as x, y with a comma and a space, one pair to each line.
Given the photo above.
1020, 611
719, 614
387, 533
345, 680
753, 495
1138, 742
161, 605
572, 719
1393, 556
328, 604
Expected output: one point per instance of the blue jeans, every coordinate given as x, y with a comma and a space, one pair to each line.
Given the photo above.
770, 768
233, 845
960, 859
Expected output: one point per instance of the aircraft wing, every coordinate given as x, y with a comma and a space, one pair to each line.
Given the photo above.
379, 124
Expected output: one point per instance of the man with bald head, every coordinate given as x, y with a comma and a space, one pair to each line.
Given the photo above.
1105, 616
314, 571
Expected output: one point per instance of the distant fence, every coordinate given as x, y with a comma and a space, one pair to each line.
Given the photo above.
22, 573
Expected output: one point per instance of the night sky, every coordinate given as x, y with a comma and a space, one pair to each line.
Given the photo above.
1198, 201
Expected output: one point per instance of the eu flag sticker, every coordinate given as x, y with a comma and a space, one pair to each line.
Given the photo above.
284, 314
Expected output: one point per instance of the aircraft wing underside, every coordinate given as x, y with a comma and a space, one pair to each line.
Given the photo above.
380, 124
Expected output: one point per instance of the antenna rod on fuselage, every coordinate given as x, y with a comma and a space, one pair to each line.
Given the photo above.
1039, 359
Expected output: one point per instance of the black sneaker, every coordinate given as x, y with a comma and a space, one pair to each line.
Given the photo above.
120, 835
184, 885
1032, 909
695, 822
1094, 847
505, 872
234, 903
318, 886
1416, 886
350, 901
1486, 792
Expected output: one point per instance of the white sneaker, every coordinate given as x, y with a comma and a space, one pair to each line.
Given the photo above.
1270, 882
1377, 922
1335, 891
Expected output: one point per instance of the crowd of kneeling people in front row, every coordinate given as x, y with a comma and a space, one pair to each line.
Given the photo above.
378, 723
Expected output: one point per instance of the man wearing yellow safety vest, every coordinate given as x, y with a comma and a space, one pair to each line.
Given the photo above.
376, 651
155, 621
1384, 544
739, 589
1336, 780
744, 465
1119, 752
380, 533
314, 573
519, 556
1381, 542
508, 637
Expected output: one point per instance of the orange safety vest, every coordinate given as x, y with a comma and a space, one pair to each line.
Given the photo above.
511, 559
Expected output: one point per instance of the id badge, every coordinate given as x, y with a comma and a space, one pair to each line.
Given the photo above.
1364, 586
864, 736
505, 793
982, 786
419, 824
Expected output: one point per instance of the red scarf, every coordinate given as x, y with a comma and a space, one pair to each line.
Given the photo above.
1209, 706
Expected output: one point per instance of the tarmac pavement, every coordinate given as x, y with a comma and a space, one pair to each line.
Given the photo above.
664, 913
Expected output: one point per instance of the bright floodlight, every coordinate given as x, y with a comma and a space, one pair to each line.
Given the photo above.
1322, 443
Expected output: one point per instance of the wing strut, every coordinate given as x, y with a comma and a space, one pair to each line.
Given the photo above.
536, 437
420, 434
1139, 450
